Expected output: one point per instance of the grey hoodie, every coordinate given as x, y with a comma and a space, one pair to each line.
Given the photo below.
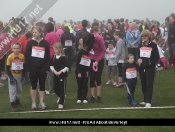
120, 51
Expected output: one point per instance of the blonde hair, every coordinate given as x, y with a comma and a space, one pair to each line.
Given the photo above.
147, 33
59, 47
133, 25
40, 30
58, 25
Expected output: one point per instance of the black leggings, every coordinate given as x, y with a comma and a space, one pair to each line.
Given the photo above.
68, 53
120, 69
38, 73
95, 77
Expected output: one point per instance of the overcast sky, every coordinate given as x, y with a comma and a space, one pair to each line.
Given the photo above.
90, 9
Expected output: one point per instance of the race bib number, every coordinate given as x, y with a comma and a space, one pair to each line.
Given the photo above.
145, 52
92, 52
17, 64
131, 73
85, 60
68, 43
38, 52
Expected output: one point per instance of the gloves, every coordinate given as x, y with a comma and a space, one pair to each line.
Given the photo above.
12, 80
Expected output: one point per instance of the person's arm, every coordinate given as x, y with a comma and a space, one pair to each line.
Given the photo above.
47, 38
127, 37
118, 50
47, 57
73, 39
138, 36
27, 55
78, 69
62, 40
124, 73
103, 49
155, 54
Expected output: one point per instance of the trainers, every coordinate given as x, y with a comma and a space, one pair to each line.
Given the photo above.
47, 92
134, 103
98, 99
78, 101
1, 85
92, 99
109, 81
20, 105
13, 107
85, 101
147, 105
128, 101
42, 105
119, 85
114, 83
60, 106
142, 103
34, 106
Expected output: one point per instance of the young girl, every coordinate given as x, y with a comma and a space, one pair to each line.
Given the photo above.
59, 66
82, 68
119, 56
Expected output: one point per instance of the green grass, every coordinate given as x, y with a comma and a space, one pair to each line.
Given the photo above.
111, 97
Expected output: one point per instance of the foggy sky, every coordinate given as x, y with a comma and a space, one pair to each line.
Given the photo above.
90, 9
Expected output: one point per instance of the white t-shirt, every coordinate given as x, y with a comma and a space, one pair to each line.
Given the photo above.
160, 52
162, 32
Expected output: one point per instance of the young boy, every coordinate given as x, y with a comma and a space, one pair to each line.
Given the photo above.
112, 64
16, 75
130, 77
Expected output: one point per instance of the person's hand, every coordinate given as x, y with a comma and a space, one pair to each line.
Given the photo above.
95, 63
47, 71
81, 41
59, 73
172, 36
12, 80
106, 31
124, 83
79, 75
132, 45
55, 72
139, 61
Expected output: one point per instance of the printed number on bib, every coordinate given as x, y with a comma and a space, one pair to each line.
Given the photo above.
131, 73
17, 64
85, 60
38, 52
145, 52
68, 43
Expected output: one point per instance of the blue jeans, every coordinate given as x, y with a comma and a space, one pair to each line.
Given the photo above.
171, 52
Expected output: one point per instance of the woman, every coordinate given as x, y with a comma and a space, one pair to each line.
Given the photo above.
148, 56
97, 64
133, 39
37, 64
59, 29
52, 38
155, 30
67, 40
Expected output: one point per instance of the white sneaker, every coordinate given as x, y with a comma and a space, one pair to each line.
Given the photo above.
78, 101
42, 105
58, 100
85, 101
142, 103
60, 106
47, 92
147, 105
34, 106
114, 83
109, 81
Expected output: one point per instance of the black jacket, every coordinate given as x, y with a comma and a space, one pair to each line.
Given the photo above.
35, 61
140, 28
109, 35
170, 33
125, 67
147, 62
67, 36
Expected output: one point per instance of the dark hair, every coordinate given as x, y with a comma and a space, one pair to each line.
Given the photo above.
118, 33
129, 55
49, 27
111, 42
167, 19
121, 19
88, 41
111, 23
50, 19
28, 35
172, 15
84, 23
66, 29
17, 44
95, 27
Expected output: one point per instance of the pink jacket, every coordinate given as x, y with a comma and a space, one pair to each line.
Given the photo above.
60, 31
99, 48
52, 38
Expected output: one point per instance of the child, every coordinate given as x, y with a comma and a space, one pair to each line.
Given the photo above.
59, 66
16, 75
112, 64
82, 67
2, 65
130, 77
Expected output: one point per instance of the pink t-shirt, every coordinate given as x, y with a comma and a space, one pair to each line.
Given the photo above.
60, 31
52, 38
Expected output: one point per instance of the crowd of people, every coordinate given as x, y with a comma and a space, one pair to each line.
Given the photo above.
48, 50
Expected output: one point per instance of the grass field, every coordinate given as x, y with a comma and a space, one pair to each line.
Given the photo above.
111, 97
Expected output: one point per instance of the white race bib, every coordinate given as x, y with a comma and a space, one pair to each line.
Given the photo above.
131, 73
121, 61
85, 60
145, 52
38, 51
17, 64
68, 43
